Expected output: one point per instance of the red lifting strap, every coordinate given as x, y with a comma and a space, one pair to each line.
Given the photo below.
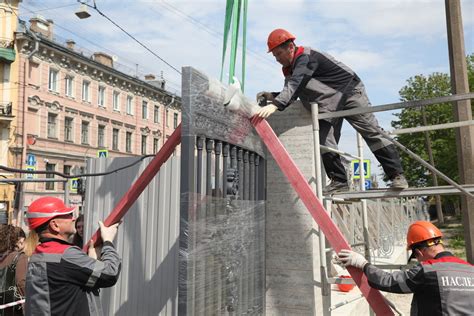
316, 208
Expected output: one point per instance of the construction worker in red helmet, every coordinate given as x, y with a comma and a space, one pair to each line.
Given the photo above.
316, 77
61, 278
441, 283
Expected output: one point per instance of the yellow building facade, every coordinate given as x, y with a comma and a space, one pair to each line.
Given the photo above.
9, 90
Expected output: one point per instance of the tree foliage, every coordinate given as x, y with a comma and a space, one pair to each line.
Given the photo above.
443, 141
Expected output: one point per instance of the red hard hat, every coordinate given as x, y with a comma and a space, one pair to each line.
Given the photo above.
44, 209
278, 37
421, 231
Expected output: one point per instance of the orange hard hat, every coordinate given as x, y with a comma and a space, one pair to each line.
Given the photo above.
421, 231
278, 37
44, 209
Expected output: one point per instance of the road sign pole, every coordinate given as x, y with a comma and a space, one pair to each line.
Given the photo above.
66, 193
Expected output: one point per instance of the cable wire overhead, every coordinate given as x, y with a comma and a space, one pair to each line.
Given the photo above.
129, 35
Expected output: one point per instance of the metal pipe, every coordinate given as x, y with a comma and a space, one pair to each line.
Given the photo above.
399, 105
345, 303
365, 220
318, 175
37, 40
424, 163
66, 192
431, 127
410, 192
32, 180
340, 152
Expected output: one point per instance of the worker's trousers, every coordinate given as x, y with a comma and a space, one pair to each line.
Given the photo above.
367, 126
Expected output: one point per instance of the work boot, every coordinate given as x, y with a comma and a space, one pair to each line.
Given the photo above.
399, 182
335, 186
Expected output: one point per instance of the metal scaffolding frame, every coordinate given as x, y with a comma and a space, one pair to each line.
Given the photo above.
362, 195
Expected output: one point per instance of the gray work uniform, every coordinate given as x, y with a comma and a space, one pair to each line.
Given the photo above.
441, 286
317, 77
63, 280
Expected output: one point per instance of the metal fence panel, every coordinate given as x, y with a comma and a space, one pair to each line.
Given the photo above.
222, 205
148, 237
388, 220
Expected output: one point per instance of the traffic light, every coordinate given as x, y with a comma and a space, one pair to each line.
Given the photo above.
81, 187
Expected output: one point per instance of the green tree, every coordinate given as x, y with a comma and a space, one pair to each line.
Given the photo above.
442, 141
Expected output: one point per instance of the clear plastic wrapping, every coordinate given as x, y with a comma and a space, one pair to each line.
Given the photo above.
222, 252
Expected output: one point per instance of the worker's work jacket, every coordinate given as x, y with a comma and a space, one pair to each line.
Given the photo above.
63, 280
440, 286
317, 77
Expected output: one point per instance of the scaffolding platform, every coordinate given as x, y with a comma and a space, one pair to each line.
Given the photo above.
409, 192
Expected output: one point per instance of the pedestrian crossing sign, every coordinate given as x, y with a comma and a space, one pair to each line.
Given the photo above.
73, 185
102, 153
356, 169
30, 175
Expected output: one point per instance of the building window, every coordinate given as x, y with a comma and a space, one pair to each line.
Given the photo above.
144, 110
143, 144
156, 114
68, 129
116, 101
167, 117
85, 91
175, 120
66, 170
128, 142
115, 139
101, 136
53, 80
52, 118
156, 145
85, 133
101, 97
129, 108
50, 167
69, 86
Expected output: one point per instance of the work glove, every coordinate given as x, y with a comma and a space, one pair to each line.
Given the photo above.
108, 233
351, 258
266, 111
268, 96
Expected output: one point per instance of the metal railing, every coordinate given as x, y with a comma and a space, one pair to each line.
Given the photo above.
388, 223
379, 225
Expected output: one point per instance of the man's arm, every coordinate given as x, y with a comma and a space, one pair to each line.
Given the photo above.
299, 78
91, 273
395, 282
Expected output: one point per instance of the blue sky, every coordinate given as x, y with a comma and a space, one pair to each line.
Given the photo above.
384, 41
